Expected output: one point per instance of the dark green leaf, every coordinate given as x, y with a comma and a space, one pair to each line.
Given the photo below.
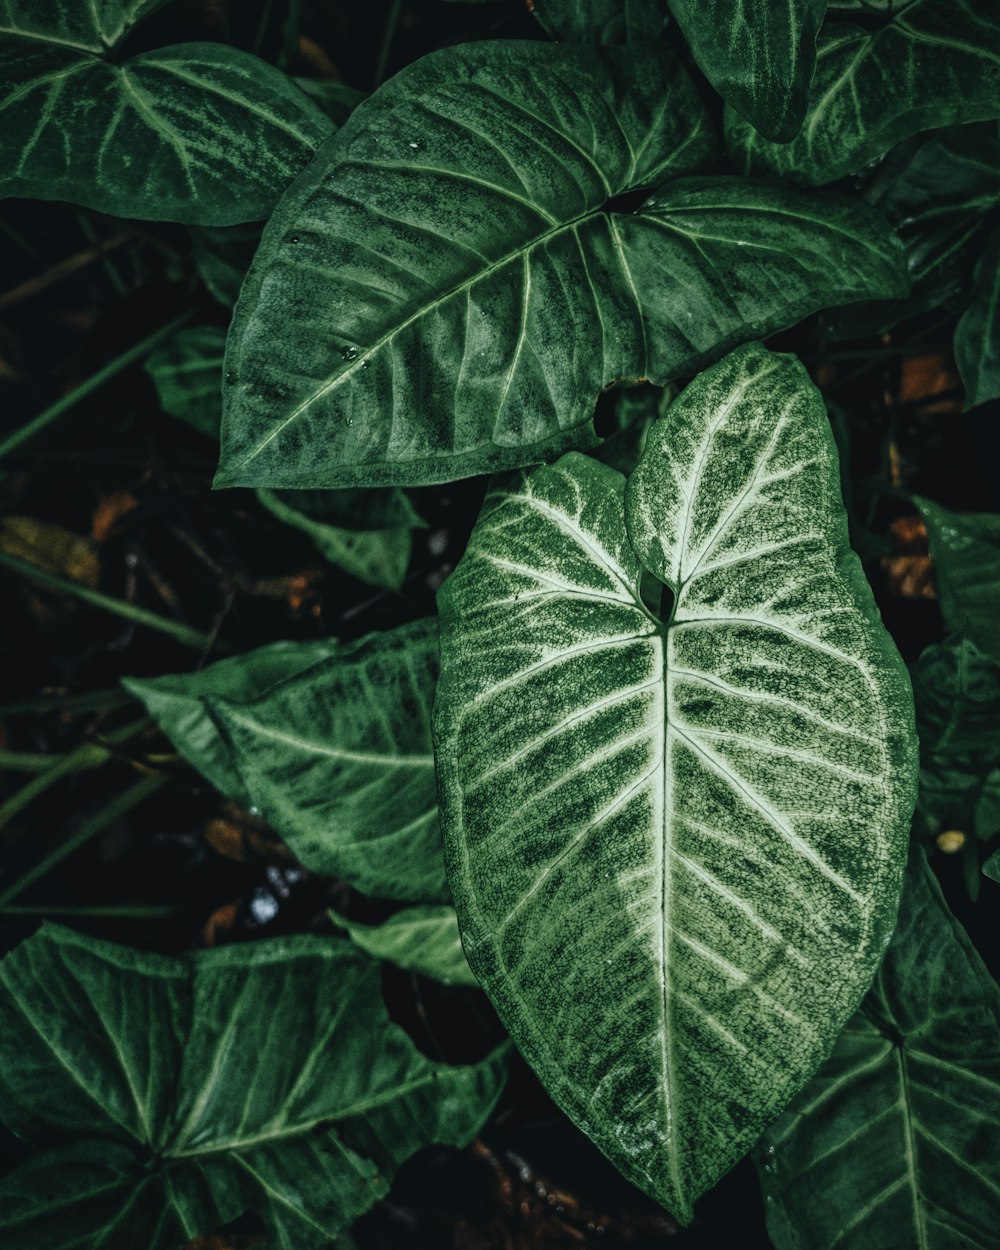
88, 25
176, 1093
601, 21
338, 759
187, 374
965, 550
957, 693
443, 292
419, 939
175, 704
759, 55
675, 847
200, 132
895, 1142
992, 867
377, 556
223, 255
977, 338
336, 100
931, 63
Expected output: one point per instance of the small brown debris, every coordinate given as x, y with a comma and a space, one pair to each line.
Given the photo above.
109, 512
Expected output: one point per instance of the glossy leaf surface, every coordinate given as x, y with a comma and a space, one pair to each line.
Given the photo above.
338, 760
176, 1093
956, 689
419, 939
759, 55
221, 133
443, 292
175, 702
376, 556
675, 847
895, 1141
965, 550
931, 63
977, 337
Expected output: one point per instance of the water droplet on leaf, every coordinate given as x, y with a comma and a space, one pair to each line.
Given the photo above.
349, 353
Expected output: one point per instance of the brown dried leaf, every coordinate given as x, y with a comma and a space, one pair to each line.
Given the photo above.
51, 547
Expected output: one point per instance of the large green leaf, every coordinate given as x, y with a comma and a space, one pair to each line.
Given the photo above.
965, 549
175, 702
956, 689
419, 939
977, 337
759, 55
896, 1141
675, 846
601, 21
377, 556
176, 1093
930, 63
338, 759
199, 132
447, 289
88, 25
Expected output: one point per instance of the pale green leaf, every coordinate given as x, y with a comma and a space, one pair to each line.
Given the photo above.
929, 63
376, 556
977, 337
965, 551
419, 939
896, 1141
89, 25
675, 846
187, 374
176, 1093
758, 54
444, 292
175, 702
338, 760
199, 132
601, 21
956, 689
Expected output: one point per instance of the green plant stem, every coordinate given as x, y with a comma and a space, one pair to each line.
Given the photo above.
293, 23
118, 806
110, 370
87, 755
123, 911
140, 616
27, 761
391, 21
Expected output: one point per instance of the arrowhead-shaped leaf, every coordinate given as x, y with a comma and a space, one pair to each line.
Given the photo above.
176, 1093
759, 55
675, 846
977, 336
199, 132
956, 689
447, 288
965, 550
930, 63
420, 939
93, 26
338, 760
895, 1142
175, 702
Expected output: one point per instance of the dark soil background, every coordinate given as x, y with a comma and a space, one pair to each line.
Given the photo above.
118, 493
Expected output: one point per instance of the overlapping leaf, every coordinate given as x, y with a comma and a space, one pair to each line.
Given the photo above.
931, 63
675, 846
601, 21
199, 132
175, 702
447, 288
176, 1093
420, 939
965, 550
757, 54
977, 337
187, 374
338, 760
896, 1141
